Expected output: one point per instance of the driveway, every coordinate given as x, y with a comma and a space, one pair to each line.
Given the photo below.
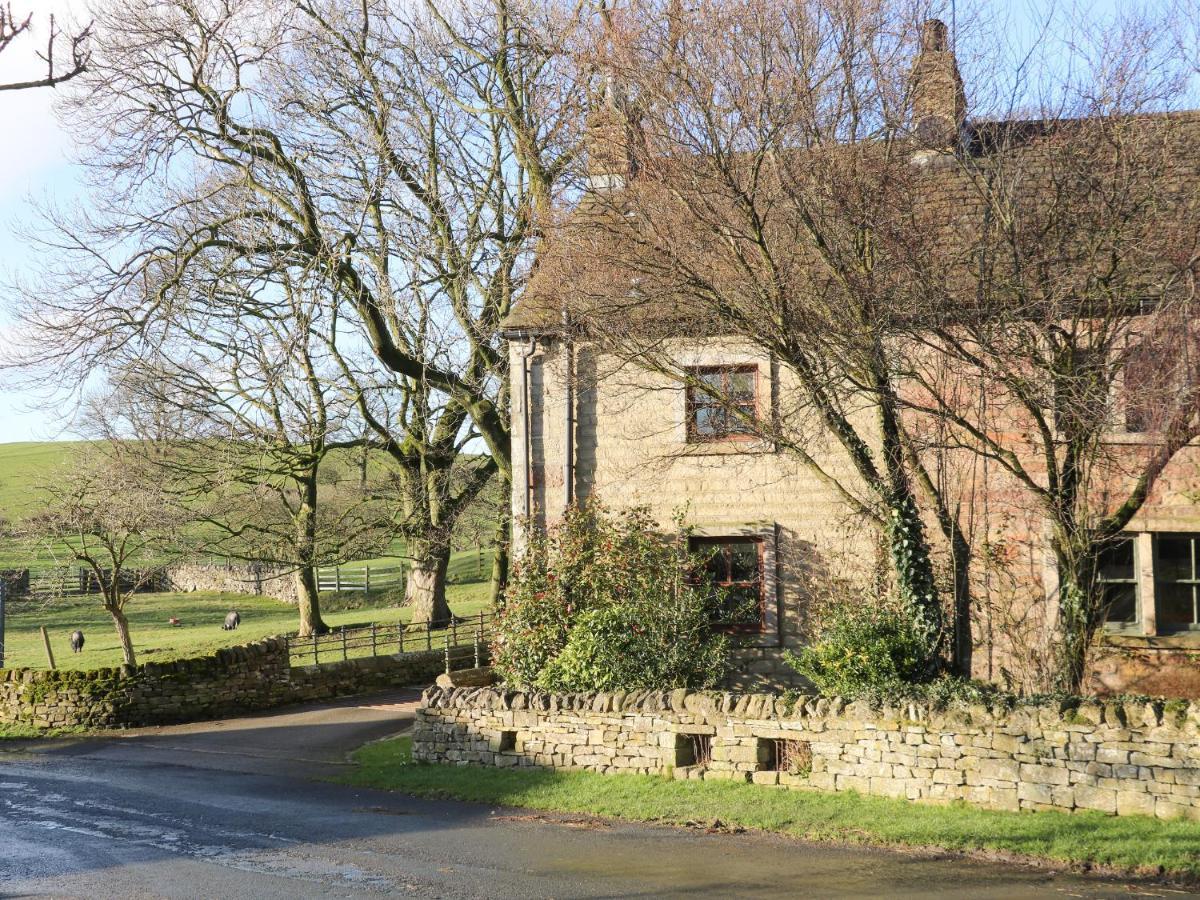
227, 809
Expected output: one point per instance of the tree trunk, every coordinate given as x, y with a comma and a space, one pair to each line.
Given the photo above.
499, 564
122, 626
964, 642
426, 588
307, 590
1079, 610
308, 601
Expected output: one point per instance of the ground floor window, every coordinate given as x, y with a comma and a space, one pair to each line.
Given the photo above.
1118, 580
735, 566
1159, 599
1176, 583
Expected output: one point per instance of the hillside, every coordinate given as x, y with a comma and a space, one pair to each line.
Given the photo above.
23, 465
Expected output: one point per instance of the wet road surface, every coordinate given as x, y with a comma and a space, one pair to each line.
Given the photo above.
224, 809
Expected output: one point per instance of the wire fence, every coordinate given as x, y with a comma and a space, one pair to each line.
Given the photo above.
462, 640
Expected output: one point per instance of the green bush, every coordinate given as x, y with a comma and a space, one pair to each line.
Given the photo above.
861, 648
603, 602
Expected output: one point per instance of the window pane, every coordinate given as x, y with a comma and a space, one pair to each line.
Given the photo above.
744, 561
714, 379
1116, 562
741, 606
1174, 559
708, 421
1175, 607
1121, 600
741, 386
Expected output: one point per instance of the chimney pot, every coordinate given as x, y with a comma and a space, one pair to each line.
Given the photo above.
933, 35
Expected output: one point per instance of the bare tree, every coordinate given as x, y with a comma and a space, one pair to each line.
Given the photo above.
13, 28
107, 514
765, 196
369, 150
1061, 343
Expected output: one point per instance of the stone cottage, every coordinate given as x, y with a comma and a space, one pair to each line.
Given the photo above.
588, 422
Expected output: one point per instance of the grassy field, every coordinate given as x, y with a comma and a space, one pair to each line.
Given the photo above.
1132, 844
201, 615
23, 465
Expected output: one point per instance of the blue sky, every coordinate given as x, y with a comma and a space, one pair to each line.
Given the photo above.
35, 163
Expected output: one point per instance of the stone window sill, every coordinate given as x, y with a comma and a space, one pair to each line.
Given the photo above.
1189, 640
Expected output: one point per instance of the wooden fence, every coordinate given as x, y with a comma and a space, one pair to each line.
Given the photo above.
363, 579
463, 639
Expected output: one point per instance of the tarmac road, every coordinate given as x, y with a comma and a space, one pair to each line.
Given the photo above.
226, 809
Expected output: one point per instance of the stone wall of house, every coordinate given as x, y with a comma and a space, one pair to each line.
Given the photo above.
631, 448
1120, 758
231, 681
257, 579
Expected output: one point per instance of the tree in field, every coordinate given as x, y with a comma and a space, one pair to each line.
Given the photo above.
397, 159
14, 29
107, 515
238, 409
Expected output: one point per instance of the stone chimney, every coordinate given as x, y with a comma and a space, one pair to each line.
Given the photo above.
939, 106
611, 140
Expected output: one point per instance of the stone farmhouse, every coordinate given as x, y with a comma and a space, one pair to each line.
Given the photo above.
591, 423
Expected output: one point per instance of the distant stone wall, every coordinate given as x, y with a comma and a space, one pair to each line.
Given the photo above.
257, 579
231, 681
1118, 758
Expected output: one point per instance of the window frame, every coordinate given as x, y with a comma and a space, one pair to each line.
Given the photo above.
692, 402
697, 541
1136, 626
1193, 540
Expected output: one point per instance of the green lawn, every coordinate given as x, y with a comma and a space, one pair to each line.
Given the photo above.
1132, 844
200, 633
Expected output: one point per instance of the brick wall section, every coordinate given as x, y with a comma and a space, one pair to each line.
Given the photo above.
1122, 758
231, 681
255, 579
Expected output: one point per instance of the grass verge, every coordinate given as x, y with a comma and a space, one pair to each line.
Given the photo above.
1127, 844
19, 731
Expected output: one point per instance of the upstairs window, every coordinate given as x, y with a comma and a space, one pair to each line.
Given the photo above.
735, 567
1176, 585
722, 404
1118, 582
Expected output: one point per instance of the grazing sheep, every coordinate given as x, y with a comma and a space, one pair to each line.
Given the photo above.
77, 641
232, 621
173, 621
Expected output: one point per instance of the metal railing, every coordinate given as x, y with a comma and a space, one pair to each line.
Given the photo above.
462, 640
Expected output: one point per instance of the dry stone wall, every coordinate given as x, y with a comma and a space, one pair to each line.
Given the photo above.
1120, 758
231, 681
256, 579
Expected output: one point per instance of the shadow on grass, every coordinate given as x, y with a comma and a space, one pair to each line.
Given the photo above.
1131, 844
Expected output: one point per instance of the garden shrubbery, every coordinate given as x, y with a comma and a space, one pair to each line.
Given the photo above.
603, 602
861, 646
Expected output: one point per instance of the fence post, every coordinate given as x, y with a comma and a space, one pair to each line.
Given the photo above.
367, 583
447, 653
345, 653
46, 644
478, 640
337, 579
400, 636
454, 628
373, 639
428, 635
316, 658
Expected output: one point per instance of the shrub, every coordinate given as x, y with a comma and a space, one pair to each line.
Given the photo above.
861, 648
603, 602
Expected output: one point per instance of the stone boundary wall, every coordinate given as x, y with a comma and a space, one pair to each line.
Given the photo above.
231, 681
1119, 758
257, 579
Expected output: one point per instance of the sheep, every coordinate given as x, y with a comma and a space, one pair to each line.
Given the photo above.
77, 641
232, 621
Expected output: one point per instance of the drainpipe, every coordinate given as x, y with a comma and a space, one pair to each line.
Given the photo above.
527, 402
568, 417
